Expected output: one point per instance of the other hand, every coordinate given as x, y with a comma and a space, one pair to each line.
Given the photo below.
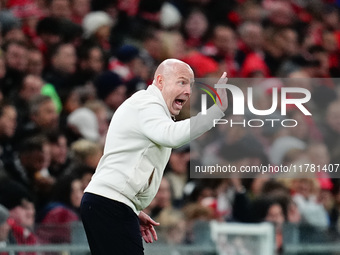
147, 227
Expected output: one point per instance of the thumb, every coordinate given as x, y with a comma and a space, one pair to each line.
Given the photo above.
155, 223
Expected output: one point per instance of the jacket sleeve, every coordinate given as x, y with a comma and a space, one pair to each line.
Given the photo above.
159, 128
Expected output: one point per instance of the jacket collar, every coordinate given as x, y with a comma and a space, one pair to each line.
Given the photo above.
152, 89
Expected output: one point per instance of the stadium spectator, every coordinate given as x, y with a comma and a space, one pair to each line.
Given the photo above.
5, 237
87, 153
30, 87
197, 215
173, 226
331, 127
27, 168
35, 62
319, 155
43, 117
97, 27
91, 62
251, 36
21, 208
195, 28
63, 60
14, 33
80, 8
130, 67
177, 173
59, 8
16, 64
111, 89
8, 125
172, 45
55, 219
59, 153
83, 172
16, 56
83, 123
102, 113
70, 100
162, 201
151, 48
223, 48
306, 199
49, 33
270, 209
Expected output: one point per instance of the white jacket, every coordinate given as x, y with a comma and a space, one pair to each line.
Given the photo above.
138, 147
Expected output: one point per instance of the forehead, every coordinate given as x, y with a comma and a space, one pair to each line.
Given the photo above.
184, 71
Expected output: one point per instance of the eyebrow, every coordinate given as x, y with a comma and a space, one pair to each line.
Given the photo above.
184, 78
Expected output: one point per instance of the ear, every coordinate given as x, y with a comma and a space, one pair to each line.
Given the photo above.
160, 82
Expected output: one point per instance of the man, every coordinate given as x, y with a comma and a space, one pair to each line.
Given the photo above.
4, 227
19, 203
30, 87
35, 64
29, 160
138, 147
43, 118
15, 53
223, 48
8, 125
111, 90
63, 65
91, 61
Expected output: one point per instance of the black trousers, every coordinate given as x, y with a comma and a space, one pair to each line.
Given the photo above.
111, 227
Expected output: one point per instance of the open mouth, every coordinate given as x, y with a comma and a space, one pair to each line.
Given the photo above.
180, 102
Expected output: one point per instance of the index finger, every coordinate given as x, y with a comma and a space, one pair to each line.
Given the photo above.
152, 222
223, 78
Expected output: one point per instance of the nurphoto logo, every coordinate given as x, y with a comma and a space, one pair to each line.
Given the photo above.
238, 104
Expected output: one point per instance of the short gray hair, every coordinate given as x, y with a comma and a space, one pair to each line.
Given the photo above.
36, 102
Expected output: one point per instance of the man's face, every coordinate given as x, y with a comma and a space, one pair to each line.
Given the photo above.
176, 88
76, 193
96, 60
59, 150
35, 62
116, 97
225, 40
163, 196
60, 9
24, 214
8, 121
65, 60
47, 116
32, 86
33, 161
16, 57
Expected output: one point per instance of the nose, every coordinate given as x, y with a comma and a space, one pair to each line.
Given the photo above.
188, 90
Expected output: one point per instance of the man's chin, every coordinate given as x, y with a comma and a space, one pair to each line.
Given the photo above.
175, 112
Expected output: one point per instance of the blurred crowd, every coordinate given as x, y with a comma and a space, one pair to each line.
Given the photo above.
67, 65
